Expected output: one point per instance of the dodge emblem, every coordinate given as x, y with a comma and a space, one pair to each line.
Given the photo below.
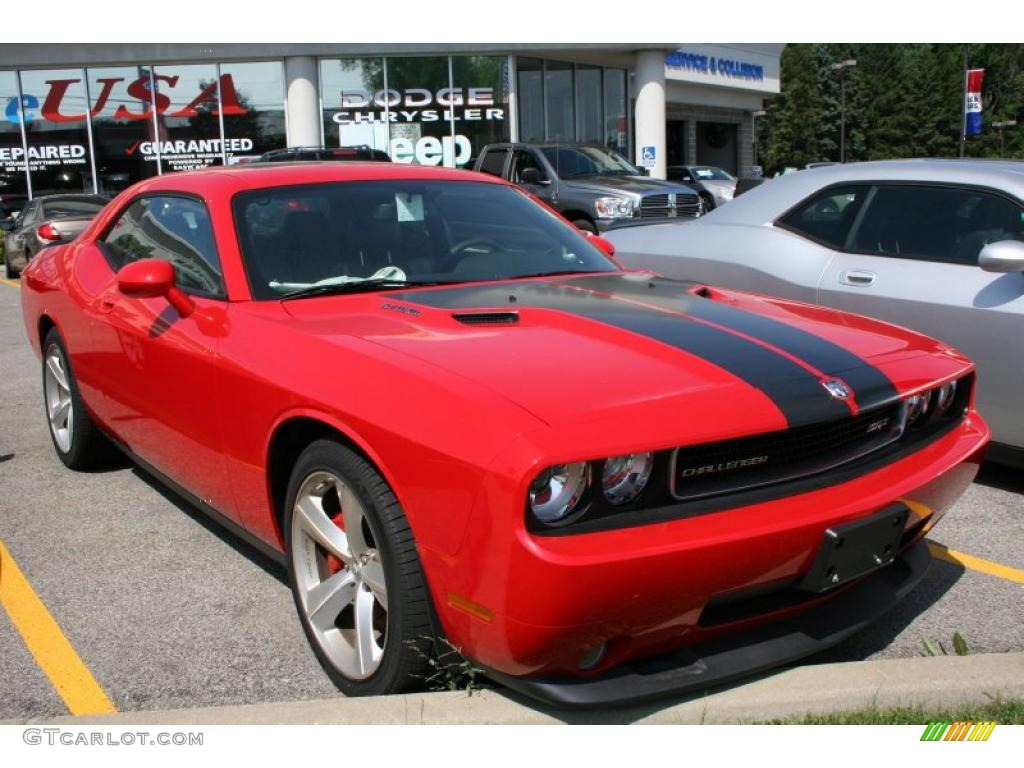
837, 388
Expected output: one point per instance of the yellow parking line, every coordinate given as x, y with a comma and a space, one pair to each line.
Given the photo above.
47, 643
12, 283
976, 563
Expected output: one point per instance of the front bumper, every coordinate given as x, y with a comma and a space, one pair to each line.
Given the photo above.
697, 668
687, 582
607, 225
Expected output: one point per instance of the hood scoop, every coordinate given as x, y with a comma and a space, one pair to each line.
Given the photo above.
707, 293
487, 318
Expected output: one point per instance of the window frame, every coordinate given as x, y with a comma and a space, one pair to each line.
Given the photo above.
512, 167
506, 154
872, 186
101, 242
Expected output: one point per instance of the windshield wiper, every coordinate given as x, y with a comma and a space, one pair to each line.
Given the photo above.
555, 274
355, 286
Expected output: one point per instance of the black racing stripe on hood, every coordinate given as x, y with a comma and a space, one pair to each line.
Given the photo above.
871, 387
794, 390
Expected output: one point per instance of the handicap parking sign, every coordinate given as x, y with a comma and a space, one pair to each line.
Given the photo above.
648, 156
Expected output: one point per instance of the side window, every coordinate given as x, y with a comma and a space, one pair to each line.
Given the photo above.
28, 215
176, 229
828, 216
945, 224
493, 162
522, 160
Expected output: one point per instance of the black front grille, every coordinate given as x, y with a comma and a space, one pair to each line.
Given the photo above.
656, 206
748, 462
654, 202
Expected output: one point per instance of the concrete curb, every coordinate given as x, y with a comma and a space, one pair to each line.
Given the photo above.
819, 689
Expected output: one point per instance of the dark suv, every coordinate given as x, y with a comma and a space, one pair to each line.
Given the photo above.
596, 188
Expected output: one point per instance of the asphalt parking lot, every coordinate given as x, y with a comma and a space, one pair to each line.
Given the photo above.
167, 611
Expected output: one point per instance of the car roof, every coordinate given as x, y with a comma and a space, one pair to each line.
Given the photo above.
70, 196
235, 178
769, 200
547, 144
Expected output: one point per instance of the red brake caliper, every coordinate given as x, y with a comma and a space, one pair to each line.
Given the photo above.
333, 563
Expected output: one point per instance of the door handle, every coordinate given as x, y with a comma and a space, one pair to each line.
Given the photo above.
858, 277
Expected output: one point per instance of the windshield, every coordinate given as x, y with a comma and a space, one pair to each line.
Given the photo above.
710, 173
573, 162
81, 206
389, 233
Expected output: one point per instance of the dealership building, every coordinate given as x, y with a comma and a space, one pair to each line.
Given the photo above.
85, 117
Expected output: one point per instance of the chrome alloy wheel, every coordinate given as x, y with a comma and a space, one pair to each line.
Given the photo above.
57, 391
339, 575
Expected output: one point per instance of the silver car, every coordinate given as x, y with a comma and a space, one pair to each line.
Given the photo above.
46, 221
934, 245
715, 186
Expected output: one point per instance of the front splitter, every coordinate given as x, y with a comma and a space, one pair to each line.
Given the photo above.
698, 668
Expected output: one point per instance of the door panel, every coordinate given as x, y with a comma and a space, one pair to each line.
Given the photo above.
162, 387
160, 375
978, 312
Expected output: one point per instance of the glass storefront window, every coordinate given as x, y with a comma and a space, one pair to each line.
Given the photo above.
558, 101
57, 131
254, 123
348, 88
424, 105
530, 98
188, 116
108, 127
483, 119
616, 127
122, 126
13, 185
588, 104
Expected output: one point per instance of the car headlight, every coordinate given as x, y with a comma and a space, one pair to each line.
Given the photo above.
614, 207
917, 407
624, 477
727, 194
945, 398
557, 491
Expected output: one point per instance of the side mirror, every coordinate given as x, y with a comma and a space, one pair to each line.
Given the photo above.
1004, 256
532, 176
150, 278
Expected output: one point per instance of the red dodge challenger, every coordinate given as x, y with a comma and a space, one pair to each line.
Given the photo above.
452, 414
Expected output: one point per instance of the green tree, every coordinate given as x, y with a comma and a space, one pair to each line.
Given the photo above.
795, 118
902, 100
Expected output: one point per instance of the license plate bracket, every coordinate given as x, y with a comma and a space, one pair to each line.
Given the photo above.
856, 549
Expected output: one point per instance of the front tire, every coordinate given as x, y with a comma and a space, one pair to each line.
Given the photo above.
355, 573
76, 438
586, 225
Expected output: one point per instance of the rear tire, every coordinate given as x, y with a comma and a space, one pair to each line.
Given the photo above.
10, 272
355, 574
79, 443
